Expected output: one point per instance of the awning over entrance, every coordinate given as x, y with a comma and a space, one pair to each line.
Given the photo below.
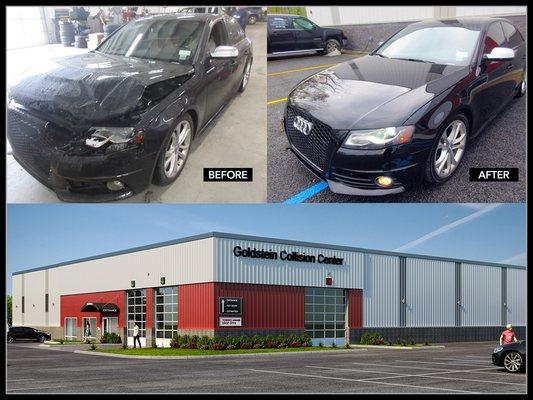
100, 307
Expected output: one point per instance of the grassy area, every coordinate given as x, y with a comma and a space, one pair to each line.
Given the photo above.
167, 351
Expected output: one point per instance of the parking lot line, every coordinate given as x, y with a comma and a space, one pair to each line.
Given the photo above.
363, 381
291, 71
307, 193
462, 360
423, 368
36, 388
430, 362
358, 370
269, 102
433, 375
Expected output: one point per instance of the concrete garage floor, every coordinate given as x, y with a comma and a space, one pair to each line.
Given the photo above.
502, 144
236, 139
459, 368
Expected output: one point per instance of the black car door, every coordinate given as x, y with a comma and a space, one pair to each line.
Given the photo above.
494, 84
280, 35
218, 72
307, 34
16, 333
29, 334
516, 42
236, 38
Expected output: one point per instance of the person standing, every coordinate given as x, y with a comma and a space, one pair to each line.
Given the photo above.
136, 336
508, 335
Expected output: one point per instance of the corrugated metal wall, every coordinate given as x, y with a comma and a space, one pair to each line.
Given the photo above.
265, 306
481, 295
516, 296
71, 306
230, 268
196, 306
381, 291
430, 293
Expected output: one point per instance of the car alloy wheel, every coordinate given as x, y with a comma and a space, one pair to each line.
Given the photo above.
41, 339
512, 361
178, 149
252, 20
523, 87
450, 149
332, 45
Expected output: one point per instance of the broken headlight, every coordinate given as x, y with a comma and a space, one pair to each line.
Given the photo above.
103, 135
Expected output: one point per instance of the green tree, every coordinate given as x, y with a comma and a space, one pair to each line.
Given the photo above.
9, 306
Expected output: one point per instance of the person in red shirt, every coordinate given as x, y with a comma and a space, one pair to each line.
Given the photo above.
508, 335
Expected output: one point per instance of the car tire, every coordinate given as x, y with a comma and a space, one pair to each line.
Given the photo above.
174, 151
332, 45
522, 88
10, 339
513, 362
41, 339
446, 156
245, 75
252, 19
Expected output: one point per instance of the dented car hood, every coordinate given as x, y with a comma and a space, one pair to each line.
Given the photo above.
95, 87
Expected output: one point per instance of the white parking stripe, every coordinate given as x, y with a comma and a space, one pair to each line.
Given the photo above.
358, 370
18, 380
36, 388
426, 368
433, 375
363, 381
427, 362
464, 361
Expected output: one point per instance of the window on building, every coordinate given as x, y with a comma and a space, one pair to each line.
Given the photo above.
22, 305
89, 327
325, 313
71, 328
166, 312
46, 302
137, 311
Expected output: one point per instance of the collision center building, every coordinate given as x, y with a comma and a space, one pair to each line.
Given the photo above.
220, 284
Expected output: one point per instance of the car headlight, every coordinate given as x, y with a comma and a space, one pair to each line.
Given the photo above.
498, 349
379, 138
102, 135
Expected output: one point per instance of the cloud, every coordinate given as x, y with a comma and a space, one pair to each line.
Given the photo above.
481, 210
516, 259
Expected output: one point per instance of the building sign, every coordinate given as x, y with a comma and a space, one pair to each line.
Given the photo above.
230, 305
284, 255
230, 321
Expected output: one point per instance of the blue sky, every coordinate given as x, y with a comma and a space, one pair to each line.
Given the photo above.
44, 234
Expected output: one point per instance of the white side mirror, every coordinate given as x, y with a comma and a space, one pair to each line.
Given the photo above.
225, 52
500, 54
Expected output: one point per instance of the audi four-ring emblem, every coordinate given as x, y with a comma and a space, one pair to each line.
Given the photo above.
302, 125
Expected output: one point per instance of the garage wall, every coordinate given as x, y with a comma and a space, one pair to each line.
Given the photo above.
481, 295
516, 296
470, 11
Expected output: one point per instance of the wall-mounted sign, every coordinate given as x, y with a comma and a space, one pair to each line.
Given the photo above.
329, 281
230, 305
284, 255
162, 280
230, 321
132, 283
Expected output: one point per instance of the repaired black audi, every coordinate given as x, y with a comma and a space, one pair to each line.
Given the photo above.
385, 122
103, 125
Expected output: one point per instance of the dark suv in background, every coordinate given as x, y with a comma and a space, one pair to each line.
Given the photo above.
26, 333
289, 34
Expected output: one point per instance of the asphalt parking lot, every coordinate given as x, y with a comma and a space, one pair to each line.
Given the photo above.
460, 368
235, 139
502, 144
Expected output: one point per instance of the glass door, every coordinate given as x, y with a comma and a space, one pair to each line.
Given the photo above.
325, 315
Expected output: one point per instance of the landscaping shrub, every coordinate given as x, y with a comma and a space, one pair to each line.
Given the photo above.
371, 338
93, 346
426, 342
245, 345
232, 341
204, 347
110, 338
203, 341
175, 342
183, 340
184, 346
282, 345
243, 339
305, 339
257, 346
320, 344
281, 339
412, 343
230, 347
61, 341
347, 345
125, 345
333, 344
218, 343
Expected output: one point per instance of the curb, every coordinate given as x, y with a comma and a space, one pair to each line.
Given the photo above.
373, 346
253, 355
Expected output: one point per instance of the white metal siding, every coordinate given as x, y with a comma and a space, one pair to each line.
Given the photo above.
381, 295
16, 288
481, 295
430, 292
516, 296
463, 11
183, 263
230, 268
356, 15
34, 290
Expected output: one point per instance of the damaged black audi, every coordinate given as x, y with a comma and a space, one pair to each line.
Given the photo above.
103, 125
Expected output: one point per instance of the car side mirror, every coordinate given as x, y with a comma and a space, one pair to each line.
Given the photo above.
500, 54
225, 52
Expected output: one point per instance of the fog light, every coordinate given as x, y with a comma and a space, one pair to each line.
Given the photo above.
115, 185
384, 181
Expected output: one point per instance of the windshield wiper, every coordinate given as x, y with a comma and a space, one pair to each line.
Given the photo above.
416, 60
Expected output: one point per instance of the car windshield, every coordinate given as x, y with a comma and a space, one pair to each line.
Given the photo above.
166, 40
451, 45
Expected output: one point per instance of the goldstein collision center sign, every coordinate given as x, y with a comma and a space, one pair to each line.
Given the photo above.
284, 255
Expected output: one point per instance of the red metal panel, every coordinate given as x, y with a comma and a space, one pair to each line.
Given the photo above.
355, 308
196, 306
265, 306
149, 307
71, 306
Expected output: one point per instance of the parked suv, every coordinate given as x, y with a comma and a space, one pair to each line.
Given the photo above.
26, 333
296, 34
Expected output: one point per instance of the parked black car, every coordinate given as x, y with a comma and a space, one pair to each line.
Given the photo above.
26, 333
255, 14
405, 113
102, 125
287, 34
511, 356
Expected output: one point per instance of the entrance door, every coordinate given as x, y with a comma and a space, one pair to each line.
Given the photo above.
325, 315
110, 325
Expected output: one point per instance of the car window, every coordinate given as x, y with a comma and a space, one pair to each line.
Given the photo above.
513, 36
217, 37
302, 23
235, 32
28, 330
166, 40
494, 38
278, 23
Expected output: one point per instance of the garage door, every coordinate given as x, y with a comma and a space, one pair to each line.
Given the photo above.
325, 315
25, 27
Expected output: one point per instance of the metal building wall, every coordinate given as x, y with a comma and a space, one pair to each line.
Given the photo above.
430, 293
17, 293
516, 296
381, 291
229, 268
481, 295
34, 293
